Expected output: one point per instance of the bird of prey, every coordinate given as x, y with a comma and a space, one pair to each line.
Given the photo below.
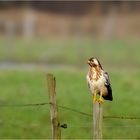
98, 81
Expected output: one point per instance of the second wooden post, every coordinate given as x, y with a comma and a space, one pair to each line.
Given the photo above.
97, 121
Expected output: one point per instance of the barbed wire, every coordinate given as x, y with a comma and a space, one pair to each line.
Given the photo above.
24, 105
68, 108
74, 110
105, 126
126, 126
46, 103
120, 117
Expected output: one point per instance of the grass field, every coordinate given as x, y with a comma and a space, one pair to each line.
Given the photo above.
20, 87
120, 58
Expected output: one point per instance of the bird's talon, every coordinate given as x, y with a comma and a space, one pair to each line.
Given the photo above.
94, 100
100, 100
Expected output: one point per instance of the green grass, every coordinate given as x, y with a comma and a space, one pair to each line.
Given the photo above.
21, 87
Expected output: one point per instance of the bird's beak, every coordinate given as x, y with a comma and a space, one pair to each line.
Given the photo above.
88, 62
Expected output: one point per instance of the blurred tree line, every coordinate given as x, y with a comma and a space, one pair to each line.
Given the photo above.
107, 19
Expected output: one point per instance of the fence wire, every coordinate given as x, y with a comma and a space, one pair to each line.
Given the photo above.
69, 109
24, 105
68, 125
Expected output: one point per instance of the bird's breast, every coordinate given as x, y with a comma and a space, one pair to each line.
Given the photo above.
97, 85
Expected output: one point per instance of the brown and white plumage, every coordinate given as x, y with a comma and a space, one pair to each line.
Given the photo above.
98, 81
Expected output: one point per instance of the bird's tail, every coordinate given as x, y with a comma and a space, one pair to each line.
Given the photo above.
109, 95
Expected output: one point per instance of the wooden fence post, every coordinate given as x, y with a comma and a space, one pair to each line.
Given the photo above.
56, 132
97, 121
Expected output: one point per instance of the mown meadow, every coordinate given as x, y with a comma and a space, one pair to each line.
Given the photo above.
68, 57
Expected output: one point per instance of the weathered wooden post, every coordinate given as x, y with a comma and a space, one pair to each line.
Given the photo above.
56, 132
97, 121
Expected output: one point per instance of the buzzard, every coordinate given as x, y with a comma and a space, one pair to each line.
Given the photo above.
98, 81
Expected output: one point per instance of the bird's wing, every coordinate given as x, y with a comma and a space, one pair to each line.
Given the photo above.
107, 81
108, 86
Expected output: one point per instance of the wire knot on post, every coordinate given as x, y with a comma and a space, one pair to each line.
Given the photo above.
64, 126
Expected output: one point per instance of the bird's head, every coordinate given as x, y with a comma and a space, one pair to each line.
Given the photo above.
94, 62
